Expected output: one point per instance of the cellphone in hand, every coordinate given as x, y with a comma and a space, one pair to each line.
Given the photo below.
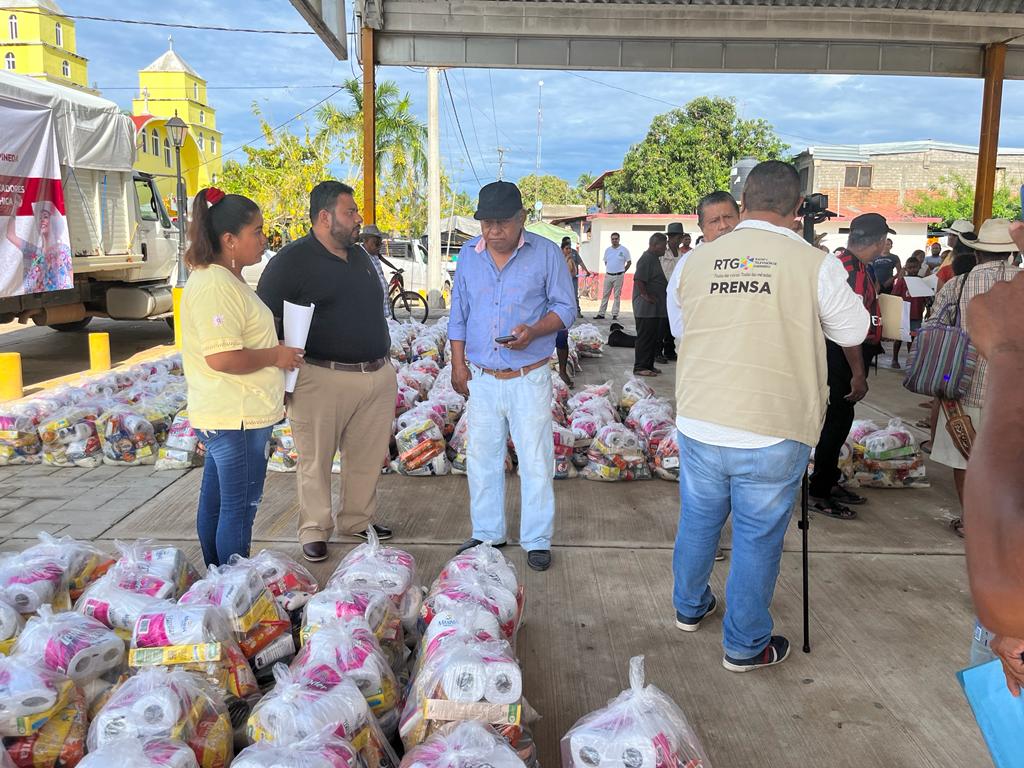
505, 339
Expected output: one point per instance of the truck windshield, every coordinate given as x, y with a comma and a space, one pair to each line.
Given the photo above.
150, 206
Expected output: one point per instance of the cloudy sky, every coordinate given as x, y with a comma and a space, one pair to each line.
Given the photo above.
590, 118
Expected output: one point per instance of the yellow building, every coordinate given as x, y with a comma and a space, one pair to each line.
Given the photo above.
169, 87
38, 40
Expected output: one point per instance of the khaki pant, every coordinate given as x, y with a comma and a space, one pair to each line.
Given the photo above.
350, 412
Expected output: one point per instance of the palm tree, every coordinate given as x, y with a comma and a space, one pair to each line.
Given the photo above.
400, 138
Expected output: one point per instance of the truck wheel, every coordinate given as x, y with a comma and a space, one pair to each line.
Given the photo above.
78, 325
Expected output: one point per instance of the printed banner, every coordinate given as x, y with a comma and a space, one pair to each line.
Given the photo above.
35, 247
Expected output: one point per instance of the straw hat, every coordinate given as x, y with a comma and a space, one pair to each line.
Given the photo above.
992, 237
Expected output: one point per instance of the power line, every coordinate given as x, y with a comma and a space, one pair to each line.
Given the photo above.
275, 129
170, 25
218, 87
458, 124
472, 120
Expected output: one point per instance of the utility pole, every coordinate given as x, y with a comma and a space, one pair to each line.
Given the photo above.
434, 266
540, 125
501, 163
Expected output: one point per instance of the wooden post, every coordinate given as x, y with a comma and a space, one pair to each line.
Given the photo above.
988, 143
369, 211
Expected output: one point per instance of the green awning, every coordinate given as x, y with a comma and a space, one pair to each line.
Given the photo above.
553, 233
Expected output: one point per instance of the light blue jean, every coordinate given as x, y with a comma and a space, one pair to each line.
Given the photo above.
759, 487
520, 407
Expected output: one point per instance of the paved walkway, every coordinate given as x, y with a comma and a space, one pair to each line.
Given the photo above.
890, 613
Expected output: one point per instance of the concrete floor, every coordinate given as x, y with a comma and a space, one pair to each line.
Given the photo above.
890, 614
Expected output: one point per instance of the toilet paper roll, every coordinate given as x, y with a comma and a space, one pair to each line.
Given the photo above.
167, 563
238, 597
111, 725
83, 656
27, 598
26, 701
10, 621
174, 625
368, 678
469, 618
595, 750
157, 712
168, 753
504, 683
464, 681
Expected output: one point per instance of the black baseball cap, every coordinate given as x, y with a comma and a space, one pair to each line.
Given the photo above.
499, 200
869, 224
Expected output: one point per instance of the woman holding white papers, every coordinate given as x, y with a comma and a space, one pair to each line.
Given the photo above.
234, 367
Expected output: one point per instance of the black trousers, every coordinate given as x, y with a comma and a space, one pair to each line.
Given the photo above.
838, 420
650, 332
668, 343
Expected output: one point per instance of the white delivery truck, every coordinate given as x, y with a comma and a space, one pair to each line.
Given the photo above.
123, 245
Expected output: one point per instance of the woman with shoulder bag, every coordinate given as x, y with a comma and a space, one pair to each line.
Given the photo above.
234, 367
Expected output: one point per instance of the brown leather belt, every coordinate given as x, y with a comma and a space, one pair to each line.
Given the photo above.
370, 367
513, 373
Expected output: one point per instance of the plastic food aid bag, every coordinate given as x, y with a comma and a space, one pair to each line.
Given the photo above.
195, 638
633, 391
290, 583
893, 442
615, 454
69, 437
154, 752
126, 437
83, 561
29, 580
324, 750
71, 644
298, 709
602, 391
11, 624
161, 561
256, 618
565, 443
59, 743
30, 695
113, 602
457, 446
666, 457
388, 569
860, 429
181, 449
421, 449
283, 457
19, 440
468, 680
468, 745
350, 650
470, 588
169, 704
588, 340
640, 728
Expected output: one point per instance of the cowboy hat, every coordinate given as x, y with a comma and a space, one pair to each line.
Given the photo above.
372, 231
992, 237
959, 227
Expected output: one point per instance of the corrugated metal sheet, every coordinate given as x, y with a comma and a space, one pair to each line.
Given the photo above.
862, 153
956, 6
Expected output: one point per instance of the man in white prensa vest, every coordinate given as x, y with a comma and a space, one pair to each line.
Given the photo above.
751, 382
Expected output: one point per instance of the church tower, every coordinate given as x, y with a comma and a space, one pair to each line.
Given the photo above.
38, 40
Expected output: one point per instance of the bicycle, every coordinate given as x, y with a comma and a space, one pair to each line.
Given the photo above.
406, 305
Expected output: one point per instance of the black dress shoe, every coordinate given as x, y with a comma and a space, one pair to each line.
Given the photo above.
383, 533
315, 551
470, 543
539, 559
661, 359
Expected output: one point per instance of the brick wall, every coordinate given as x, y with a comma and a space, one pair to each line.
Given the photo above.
895, 179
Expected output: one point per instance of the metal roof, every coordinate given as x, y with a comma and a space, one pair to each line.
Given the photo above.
862, 153
907, 37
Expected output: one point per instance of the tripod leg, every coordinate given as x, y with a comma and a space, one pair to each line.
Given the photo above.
804, 524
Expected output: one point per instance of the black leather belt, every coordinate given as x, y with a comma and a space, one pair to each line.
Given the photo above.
614, 274
370, 367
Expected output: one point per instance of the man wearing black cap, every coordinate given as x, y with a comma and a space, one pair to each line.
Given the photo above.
847, 370
675, 232
511, 296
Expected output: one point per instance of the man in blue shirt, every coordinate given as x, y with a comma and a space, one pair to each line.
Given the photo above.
510, 285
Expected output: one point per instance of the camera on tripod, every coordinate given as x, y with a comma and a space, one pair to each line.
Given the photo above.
815, 206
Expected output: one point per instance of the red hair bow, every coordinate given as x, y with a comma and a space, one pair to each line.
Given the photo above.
213, 196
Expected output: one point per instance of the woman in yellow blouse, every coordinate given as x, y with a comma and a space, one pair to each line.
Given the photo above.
234, 366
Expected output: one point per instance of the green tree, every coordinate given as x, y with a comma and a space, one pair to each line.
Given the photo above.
279, 177
688, 153
550, 190
952, 197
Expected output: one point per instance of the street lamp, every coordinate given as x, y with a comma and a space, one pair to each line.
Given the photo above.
176, 130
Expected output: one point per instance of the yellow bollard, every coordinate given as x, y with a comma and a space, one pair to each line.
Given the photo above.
99, 351
176, 301
11, 386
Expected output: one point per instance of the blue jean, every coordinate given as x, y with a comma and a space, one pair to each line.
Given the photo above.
520, 407
758, 486
232, 487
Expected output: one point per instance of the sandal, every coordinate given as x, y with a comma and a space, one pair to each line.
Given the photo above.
923, 424
645, 373
925, 446
957, 526
832, 508
847, 496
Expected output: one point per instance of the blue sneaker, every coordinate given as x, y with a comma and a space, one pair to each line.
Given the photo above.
688, 624
776, 652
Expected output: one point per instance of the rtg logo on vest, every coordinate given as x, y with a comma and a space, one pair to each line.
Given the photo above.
726, 265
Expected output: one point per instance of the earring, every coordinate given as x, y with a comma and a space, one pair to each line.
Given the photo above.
232, 263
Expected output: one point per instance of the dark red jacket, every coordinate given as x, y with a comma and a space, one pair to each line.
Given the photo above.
864, 286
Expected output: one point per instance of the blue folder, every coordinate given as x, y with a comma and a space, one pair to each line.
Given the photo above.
1000, 716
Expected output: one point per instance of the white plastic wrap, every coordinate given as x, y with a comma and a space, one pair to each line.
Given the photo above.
71, 644
181, 449
142, 753
615, 454
633, 391
319, 751
164, 563
290, 583
30, 695
19, 438
283, 457
30, 580
83, 562
69, 437
468, 745
640, 728
127, 437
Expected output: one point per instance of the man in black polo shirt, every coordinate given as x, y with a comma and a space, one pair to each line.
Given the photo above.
345, 398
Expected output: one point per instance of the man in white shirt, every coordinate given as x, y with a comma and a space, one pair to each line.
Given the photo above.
757, 306
717, 214
616, 265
